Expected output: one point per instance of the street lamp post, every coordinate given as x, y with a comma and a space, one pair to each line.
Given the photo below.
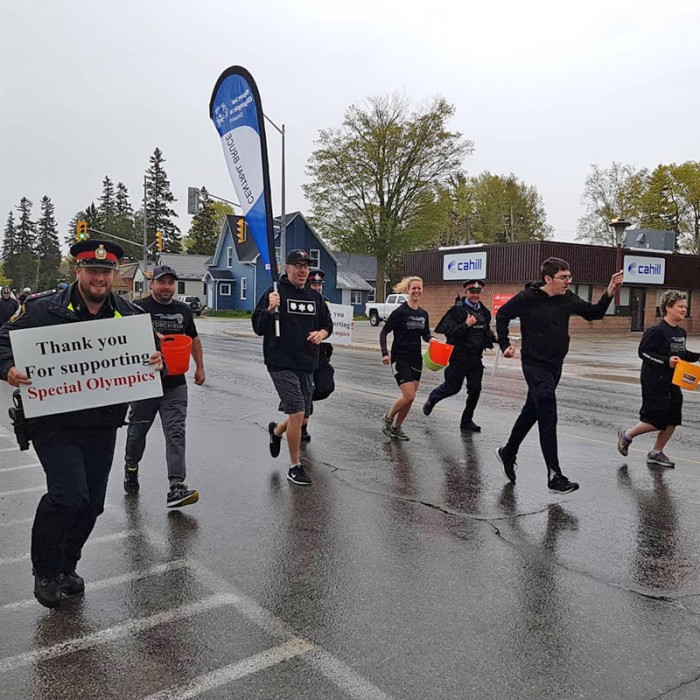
283, 218
618, 224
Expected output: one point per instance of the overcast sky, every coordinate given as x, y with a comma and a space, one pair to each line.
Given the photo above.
544, 89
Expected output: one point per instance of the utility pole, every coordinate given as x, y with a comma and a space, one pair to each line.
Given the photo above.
145, 228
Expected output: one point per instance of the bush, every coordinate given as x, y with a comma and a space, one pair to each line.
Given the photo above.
227, 313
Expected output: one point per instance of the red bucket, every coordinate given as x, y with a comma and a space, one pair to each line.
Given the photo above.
440, 352
176, 351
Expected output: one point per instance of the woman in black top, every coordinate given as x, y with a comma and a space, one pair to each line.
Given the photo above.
660, 349
409, 323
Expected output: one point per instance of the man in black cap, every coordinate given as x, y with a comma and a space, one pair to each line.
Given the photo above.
169, 317
291, 358
8, 305
324, 384
466, 326
75, 448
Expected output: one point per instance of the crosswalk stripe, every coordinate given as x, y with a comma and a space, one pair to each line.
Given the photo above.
111, 634
232, 672
20, 467
18, 492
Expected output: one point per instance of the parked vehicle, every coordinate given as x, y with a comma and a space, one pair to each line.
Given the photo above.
377, 312
194, 303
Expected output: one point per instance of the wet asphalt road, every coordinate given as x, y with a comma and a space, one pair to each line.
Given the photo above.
408, 570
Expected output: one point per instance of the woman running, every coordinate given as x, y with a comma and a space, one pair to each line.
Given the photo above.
409, 323
660, 349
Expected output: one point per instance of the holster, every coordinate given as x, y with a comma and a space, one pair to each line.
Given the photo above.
19, 422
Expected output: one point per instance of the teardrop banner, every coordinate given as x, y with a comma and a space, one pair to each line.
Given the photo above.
236, 110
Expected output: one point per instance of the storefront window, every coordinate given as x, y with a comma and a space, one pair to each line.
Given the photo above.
623, 308
659, 294
582, 290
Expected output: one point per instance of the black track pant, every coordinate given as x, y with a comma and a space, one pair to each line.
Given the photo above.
455, 374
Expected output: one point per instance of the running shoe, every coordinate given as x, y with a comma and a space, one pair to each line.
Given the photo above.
623, 442
47, 591
428, 407
509, 465
560, 484
660, 459
131, 479
399, 434
275, 440
297, 475
387, 425
470, 427
305, 437
179, 495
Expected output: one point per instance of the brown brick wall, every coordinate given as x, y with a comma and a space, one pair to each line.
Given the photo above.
437, 298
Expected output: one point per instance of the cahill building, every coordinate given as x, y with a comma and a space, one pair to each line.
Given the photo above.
507, 267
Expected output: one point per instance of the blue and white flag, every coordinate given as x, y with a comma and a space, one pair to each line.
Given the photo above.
236, 111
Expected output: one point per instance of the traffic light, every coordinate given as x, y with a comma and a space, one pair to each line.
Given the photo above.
159, 241
81, 230
240, 230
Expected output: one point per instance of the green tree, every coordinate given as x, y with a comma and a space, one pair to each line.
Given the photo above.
92, 215
206, 225
609, 193
159, 200
48, 249
373, 179
21, 265
9, 241
4, 281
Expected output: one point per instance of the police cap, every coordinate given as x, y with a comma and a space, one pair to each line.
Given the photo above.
316, 276
93, 253
474, 285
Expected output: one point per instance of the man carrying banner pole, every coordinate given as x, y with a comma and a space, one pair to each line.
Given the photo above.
75, 448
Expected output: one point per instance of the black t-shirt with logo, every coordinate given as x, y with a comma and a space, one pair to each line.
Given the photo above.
658, 344
408, 326
174, 318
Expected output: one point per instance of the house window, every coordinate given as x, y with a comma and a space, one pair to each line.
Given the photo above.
278, 254
355, 297
315, 257
225, 289
229, 256
660, 293
244, 287
180, 287
372, 296
138, 287
582, 290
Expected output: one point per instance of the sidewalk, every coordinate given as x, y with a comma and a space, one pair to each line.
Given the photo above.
592, 357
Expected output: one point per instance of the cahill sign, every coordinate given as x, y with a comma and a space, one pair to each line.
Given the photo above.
643, 270
462, 266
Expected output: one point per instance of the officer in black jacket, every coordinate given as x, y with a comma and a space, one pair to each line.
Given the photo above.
75, 448
291, 358
466, 326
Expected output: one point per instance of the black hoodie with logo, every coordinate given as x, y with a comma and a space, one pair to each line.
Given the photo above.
301, 311
544, 322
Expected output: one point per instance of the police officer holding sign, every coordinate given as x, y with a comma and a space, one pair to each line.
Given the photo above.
75, 448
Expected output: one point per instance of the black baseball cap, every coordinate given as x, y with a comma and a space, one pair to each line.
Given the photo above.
94, 253
297, 255
163, 270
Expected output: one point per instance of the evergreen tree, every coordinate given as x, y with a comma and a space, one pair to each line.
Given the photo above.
206, 226
9, 241
159, 211
107, 206
48, 249
21, 265
125, 222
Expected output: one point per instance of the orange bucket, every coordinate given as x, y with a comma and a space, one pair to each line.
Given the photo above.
440, 353
686, 375
176, 351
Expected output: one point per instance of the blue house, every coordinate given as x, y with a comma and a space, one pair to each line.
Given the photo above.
236, 276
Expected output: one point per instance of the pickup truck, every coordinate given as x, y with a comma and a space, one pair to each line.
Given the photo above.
377, 312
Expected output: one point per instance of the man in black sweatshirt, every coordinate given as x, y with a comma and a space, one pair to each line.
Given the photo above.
291, 358
544, 309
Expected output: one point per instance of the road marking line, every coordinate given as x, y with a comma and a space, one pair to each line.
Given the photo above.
19, 521
111, 634
9, 449
17, 492
110, 582
93, 540
23, 466
240, 669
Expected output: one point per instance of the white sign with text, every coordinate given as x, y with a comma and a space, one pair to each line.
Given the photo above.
74, 366
464, 266
640, 269
342, 324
